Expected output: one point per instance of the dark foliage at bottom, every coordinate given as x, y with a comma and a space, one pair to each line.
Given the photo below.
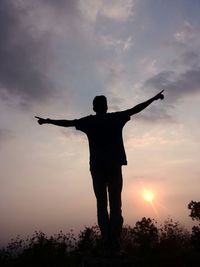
144, 244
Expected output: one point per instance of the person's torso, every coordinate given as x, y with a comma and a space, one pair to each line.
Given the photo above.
104, 134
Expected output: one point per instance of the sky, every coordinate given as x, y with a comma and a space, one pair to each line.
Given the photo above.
56, 56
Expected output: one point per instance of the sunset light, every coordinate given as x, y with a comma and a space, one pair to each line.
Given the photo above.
148, 195
133, 153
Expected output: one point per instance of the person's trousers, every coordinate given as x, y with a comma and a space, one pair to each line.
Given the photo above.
107, 184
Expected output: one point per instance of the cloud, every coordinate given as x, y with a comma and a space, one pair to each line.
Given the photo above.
186, 39
155, 115
148, 66
181, 77
187, 34
117, 10
187, 58
115, 103
28, 32
23, 57
115, 77
176, 85
45, 42
183, 80
119, 45
186, 44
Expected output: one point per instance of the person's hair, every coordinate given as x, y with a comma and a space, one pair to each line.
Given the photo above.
100, 103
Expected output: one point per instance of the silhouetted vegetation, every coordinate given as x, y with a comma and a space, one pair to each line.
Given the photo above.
144, 244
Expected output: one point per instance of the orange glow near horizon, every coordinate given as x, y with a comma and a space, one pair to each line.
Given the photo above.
148, 195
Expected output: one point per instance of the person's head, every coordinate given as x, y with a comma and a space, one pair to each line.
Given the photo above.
100, 104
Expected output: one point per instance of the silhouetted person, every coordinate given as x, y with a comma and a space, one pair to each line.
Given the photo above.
107, 155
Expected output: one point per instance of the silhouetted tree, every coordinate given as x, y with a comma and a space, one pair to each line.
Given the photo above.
144, 244
128, 242
89, 241
40, 250
173, 235
145, 234
194, 208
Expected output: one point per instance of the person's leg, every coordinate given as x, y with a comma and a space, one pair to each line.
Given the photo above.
116, 219
100, 190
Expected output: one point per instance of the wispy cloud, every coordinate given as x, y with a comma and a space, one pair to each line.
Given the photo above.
119, 45
187, 34
118, 10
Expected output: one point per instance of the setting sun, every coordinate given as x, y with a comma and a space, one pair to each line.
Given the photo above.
148, 195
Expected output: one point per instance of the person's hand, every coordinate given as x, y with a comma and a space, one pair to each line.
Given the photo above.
41, 120
159, 95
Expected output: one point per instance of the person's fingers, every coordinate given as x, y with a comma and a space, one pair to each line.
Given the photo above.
161, 96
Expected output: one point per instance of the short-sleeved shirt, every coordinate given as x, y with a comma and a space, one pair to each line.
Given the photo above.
104, 134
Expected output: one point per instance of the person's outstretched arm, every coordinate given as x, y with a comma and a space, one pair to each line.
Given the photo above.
143, 105
63, 123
